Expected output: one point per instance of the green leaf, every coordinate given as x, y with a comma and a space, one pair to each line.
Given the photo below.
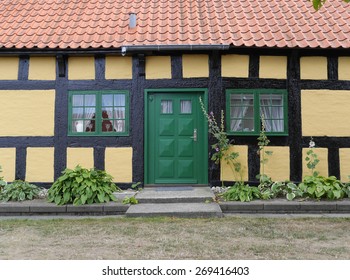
83, 198
290, 196
101, 197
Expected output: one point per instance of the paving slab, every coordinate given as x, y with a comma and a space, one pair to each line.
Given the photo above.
175, 195
185, 210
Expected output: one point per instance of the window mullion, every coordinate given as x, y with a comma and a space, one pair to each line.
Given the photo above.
257, 121
98, 113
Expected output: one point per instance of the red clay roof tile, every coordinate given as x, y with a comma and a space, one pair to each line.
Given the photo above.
105, 23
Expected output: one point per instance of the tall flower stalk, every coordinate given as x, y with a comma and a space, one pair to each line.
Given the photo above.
263, 141
222, 145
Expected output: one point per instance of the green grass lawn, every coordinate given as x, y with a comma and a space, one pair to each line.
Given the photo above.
173, 238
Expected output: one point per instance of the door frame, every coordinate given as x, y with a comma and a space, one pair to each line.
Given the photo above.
200, 91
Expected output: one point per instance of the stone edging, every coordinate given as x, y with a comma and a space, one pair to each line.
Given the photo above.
276, 206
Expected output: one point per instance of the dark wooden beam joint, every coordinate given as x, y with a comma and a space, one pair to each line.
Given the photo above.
61, 66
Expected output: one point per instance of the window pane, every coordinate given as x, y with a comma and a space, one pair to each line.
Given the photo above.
78, 100
186, 106
90, 100
119, 113
271, 110
107, 100
77, 113
166, 106
119, 100
89, 112
119, 125
242, 112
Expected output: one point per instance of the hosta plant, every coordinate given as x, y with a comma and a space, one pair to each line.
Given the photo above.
2, 181
82, 186
241, 192
19, 190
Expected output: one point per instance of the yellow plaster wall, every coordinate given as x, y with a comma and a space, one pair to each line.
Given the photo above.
344, 160
226, 172
273, 67
118, 163
118, 67
8, 163
235, 65
81, 68
27, 112
325, 112
9, 68
80, 156
40, 165
322, 166
313, 67
278, 164
158, 67
195, 66
42, 68
344, 68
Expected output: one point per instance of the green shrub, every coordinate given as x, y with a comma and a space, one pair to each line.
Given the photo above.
241, 192
82, 186
319, 187
19, 190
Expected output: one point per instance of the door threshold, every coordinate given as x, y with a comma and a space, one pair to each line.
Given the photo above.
175, 185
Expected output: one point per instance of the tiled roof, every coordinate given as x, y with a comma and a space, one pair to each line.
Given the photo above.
105, 23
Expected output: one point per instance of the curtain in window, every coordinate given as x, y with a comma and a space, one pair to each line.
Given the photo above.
186, 106
237, 113
83, 114
271, 106
113, 112
166, 106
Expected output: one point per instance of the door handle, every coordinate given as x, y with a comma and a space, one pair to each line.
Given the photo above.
194, 137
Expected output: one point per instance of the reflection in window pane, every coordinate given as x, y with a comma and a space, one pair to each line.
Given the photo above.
186, 106
166, 106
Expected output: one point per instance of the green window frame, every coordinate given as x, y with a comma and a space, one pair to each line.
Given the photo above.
245, 107
98, 113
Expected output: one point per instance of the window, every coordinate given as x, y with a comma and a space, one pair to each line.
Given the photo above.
245, 109
98, 113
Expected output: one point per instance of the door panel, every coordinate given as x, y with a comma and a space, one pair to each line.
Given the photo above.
176, 141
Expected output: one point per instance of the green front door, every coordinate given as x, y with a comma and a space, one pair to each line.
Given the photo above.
176, 139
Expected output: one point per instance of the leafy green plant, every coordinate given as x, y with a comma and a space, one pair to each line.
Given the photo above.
276, 189
19, 190
319, 187
241, 192
136, 186
223, 144
3, 183
82, 186
130, 200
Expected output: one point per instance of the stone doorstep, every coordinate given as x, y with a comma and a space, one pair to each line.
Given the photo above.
185, 210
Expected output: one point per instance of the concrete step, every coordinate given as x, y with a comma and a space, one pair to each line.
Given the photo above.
183, 210
175, 195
